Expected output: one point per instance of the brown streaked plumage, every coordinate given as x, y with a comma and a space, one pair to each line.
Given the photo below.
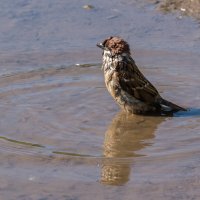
127, 85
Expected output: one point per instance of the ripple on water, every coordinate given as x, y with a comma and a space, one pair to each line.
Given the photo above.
59, 126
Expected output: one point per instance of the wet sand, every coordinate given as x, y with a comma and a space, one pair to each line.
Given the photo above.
62, 135
184, 7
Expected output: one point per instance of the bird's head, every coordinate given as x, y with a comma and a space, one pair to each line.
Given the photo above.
115, 45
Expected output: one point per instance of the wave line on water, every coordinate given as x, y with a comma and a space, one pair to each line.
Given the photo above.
21, 142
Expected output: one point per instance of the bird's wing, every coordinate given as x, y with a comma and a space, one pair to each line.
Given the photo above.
133, 82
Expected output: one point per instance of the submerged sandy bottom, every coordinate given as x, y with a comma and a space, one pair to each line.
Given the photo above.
61, 134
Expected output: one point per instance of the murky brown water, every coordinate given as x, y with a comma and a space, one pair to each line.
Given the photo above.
61, 134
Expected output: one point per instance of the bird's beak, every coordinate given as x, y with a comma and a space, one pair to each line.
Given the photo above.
100, 45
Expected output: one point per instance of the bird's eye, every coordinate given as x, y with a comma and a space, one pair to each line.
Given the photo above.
112, 46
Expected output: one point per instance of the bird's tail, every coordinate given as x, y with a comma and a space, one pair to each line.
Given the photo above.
167, 106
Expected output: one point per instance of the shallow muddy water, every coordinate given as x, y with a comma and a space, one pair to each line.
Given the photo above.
61, 134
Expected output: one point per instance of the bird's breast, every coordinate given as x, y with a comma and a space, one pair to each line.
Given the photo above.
111, 82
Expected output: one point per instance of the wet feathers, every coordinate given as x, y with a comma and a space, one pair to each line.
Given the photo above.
127, 85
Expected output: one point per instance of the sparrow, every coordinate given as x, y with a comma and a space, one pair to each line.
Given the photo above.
127, 85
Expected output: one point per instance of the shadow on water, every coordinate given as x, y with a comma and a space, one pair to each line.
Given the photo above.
191, 112
125, 136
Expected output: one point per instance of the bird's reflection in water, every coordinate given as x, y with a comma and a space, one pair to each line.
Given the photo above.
125, 136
